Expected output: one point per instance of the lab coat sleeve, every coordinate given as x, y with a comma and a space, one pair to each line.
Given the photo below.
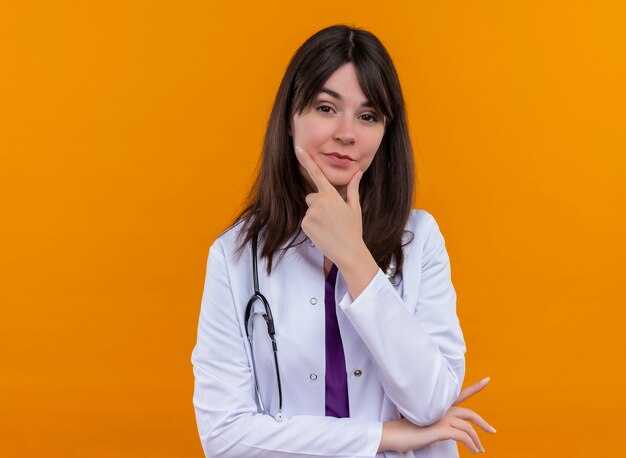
228, 422
419, 356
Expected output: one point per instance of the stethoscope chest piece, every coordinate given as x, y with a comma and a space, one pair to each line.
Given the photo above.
391, 274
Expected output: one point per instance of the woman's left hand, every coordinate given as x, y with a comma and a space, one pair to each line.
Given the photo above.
334, 225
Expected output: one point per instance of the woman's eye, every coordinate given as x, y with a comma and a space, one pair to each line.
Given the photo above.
370, 117
324, 108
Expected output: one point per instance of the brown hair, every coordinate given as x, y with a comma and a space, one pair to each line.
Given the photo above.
275, 205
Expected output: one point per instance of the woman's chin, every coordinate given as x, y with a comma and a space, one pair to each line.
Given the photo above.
339, 177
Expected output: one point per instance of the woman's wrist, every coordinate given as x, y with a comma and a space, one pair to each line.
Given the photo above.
358, 269
385, 440
404, 436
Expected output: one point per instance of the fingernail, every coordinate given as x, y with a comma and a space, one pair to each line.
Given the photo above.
298, 149
486, 379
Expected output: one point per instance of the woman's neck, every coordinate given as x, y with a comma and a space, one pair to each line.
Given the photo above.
328, 264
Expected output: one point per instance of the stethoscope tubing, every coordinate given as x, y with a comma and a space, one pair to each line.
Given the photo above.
271, 330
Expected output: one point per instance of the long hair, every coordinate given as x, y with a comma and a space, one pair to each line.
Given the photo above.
275, 205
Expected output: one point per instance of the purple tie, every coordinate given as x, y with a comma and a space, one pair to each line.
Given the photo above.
336, 378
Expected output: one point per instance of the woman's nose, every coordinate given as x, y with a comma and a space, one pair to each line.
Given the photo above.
344, 131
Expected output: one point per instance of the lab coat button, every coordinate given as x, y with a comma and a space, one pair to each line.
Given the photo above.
313, 301
358, 373
313, 377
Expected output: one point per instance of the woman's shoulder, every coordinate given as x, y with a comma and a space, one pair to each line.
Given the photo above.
426, 231
427, 235
421, 221
229, 237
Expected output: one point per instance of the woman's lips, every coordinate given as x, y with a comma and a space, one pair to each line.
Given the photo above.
335, 158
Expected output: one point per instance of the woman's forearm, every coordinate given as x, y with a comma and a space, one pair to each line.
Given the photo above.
404, 436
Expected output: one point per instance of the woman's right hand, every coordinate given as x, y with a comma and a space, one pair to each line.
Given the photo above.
403, 436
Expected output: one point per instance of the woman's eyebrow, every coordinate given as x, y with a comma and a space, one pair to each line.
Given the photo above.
336, 95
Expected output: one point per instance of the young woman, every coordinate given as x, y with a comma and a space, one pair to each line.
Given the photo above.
348, 344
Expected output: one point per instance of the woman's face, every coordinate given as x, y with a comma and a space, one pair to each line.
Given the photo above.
340, 121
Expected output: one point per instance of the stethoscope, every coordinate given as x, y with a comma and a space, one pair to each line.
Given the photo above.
269, 319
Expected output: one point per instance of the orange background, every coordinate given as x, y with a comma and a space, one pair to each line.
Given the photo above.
129, 133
